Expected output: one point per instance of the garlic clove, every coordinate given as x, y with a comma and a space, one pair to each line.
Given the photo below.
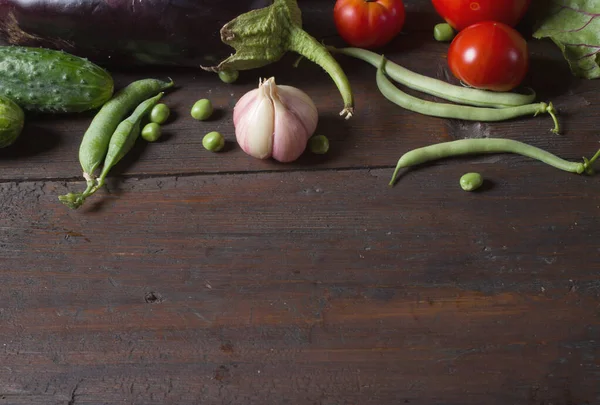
255, 124
301, 105
290, 136
243, 104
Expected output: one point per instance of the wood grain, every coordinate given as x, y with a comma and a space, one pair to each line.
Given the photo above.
200, 278
204, 290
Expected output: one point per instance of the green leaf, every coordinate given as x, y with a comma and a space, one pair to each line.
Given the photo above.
574, 26
261, 36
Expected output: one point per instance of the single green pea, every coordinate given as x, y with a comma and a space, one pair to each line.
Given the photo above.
160, 113
213, 141
151, 132
318, 144
471, 181
202, 109
443, 32
229, 76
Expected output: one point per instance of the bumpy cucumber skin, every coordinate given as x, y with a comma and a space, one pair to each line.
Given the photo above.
12, 119
50, 81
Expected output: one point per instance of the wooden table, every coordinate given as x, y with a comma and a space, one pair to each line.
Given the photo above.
203, 278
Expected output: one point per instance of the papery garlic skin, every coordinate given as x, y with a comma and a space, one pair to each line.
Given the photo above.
275, 121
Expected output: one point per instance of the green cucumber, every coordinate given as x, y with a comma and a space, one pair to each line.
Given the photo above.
12, 120
45, 80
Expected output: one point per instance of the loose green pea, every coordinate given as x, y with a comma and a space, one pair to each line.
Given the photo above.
213, 141
318, 144
443, 32
151, 132
471, 181
202, 109
229, 76
160, 113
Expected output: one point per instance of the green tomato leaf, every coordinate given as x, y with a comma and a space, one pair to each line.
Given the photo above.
574, 26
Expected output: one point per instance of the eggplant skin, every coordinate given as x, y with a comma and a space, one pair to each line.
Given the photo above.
125, 32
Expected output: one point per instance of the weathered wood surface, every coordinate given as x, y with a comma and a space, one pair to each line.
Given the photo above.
201, 278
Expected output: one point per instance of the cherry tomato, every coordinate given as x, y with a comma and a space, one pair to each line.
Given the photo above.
369, 23
462, 13
489, 55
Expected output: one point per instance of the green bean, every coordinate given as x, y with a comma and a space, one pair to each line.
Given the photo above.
439, 88
464, 147
471, 181
445, 110
160, 113
94, 144
443, 32
121, 142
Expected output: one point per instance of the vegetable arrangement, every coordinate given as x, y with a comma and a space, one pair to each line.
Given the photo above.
273, 121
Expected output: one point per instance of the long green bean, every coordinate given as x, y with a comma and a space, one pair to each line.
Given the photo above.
464, 147
439, 88
446, 110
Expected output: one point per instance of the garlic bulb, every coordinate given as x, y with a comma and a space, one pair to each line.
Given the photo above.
274, 121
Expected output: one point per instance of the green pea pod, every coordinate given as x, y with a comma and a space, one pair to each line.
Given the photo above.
121, 142
125, 136
94, 144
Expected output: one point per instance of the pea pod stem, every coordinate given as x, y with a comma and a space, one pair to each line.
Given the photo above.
464, 147
446, 110
438, 88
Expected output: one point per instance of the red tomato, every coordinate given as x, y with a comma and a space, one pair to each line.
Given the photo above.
462, 13
369, 23
489, 55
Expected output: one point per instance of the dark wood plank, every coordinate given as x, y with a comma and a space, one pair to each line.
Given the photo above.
200, 278
304, 288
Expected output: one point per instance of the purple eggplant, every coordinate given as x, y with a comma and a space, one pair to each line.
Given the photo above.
194, 33
125, 32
